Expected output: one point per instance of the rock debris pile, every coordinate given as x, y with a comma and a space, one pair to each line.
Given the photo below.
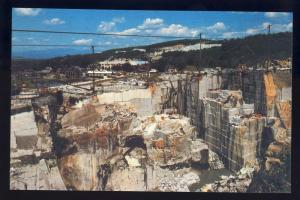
238, 183
107, 147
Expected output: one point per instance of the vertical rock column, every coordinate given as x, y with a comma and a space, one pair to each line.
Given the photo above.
248, 86
270, 92
182, 97
192, 99
265, 94
245, 142
231, 79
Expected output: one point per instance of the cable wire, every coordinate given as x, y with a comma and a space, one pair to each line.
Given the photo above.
108, 34
54, 45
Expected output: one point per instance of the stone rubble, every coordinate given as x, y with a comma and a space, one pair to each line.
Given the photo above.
105, 141
214, 161
41, 176
238, 183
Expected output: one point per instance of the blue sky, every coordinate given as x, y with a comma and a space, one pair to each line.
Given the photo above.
212, 25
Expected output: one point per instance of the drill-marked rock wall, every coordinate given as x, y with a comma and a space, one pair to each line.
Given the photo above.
189, 92
261, 87
236, 142
192, 92
283, 82
231, 79
270, 94
265, 94
146, 101
265, 88
217, 118
228, 129
209, 81
248, 86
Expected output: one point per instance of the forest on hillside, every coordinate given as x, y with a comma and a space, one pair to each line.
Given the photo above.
250, 50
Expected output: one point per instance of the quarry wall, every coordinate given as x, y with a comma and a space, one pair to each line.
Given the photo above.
233, 124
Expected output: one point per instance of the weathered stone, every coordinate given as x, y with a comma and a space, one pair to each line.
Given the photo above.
284, 110
199, 151
23, 131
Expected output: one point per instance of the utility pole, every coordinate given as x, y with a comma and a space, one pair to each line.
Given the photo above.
269, 61
36, 82
269, 28
200, 51
93, 66
93, 49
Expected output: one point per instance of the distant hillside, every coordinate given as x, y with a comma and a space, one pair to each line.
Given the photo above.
250, 50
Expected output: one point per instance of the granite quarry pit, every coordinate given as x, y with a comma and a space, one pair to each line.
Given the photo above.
161, 138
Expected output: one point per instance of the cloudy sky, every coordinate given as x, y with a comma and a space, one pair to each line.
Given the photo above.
212, 25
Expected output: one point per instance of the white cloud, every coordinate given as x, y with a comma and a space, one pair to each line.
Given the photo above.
276, 14
230, 34
290, 25
178, 30
118, 19
252, 31
32, 40
275, 28
107, 43
151, 23
265, 24
106, 26
217, 27
28, 11
278, 27
54, 21
130, 31
282, 27
83, 42
156, 26
149, 31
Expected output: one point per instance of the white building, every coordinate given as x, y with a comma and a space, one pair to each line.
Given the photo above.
108, 64
153, 71
98, 73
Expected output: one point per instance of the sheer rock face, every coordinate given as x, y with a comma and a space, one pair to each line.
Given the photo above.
275, 170
270, 93
35, 167
284, 110
46, 109
79, 171
90, 136
227, 123
228, 131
